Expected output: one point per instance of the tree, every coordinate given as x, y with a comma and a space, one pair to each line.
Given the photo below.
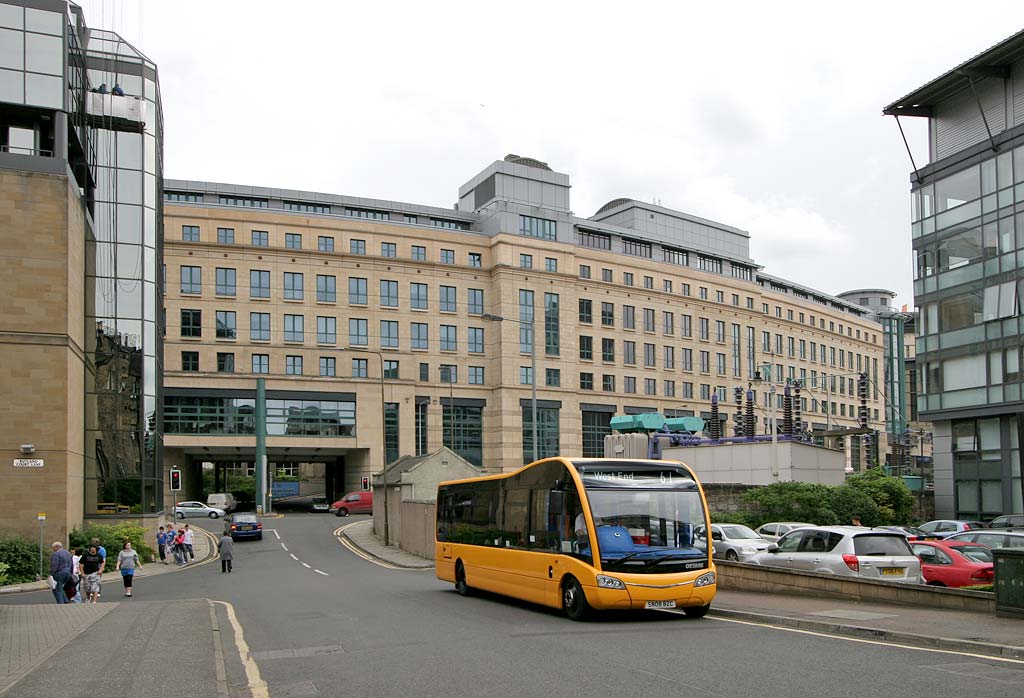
792, 501
893, 498
847, 502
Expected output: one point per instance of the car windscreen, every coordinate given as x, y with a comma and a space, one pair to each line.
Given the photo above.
977, 553
880, 544
244, 518
739, 532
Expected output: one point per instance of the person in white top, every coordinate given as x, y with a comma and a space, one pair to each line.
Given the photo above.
76, 572
189, 538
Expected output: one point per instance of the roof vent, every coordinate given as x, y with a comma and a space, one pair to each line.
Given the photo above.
529, 162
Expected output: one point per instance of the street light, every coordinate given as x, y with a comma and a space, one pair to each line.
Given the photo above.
384, 438
757, 380
533, 370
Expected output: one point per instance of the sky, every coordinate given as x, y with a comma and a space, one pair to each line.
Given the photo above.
763, 116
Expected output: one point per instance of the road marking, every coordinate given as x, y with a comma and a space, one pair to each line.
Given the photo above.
357, 551
867, 642
276, 534
252, 671
284, 547
293, 557
307, 566
323, 573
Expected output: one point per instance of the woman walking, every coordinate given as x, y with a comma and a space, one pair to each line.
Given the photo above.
91, 565
226, 547
127, 562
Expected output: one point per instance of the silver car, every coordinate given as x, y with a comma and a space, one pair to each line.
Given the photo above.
734, 542
775, 530
184, 510
849, 551
993, 538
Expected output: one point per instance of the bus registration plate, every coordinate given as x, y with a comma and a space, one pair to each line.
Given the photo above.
660, 604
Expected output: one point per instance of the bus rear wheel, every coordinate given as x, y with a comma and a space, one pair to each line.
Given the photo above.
697, 611
574, 601
460, 580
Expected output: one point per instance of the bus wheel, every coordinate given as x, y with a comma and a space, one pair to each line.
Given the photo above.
697, 611
460, 580
574, 601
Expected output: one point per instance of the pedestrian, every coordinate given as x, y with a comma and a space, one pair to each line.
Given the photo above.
103, 553
71, 587
169, 545
856, 521
127, 563
92, 573
189, 539
60, 570
179, 547
226, 546
161, 545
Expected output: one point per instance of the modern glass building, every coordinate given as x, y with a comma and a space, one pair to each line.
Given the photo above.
81, 228
968, 235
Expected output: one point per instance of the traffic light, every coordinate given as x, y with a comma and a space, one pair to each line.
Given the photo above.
366, 484
175, 479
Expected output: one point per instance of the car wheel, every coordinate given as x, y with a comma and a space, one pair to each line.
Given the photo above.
731, 556
697, 611
214, 515
259, 537
179, 515
574, 601
343, 512
461, 586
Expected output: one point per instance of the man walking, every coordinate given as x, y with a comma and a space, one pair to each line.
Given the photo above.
189, 538
161, 544
226, 546
60, 569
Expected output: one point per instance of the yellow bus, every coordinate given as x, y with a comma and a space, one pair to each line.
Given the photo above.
580, 534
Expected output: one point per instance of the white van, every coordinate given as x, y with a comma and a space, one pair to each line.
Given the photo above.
222, 500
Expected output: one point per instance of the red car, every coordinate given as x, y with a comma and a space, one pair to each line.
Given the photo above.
954, 563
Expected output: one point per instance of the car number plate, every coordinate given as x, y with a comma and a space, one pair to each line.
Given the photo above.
891, 571
660, 604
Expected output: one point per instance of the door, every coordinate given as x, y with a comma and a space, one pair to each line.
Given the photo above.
789, 545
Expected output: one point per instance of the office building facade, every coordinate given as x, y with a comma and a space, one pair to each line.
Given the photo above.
967, 231
637, 308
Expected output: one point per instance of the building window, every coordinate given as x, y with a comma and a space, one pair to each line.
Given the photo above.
243, 201
326, 288
525, 375
419, 253
226, 236
586, 381
325, 243
550, 264
705, 362
475, 259
548, 443
670, 388
447, 256
366, 213
608, 314
388, 249
649, 320
260, 238
226, 324
596, 426
360, 368
705, 391
192, 280
293, 241
608, 383
326, 330
552, 377
475, 301
421, 428
598, 241
389, 334
586, 311
225, 362
259, 327
668, 320
357, 246
357, 293
419, 335
636, 248
449, 373
447, 299
476, 375
191, 323
650, 386
702, 292
687, 391
410, 219
686, 358
418, 296
551, 327
526, 321
537, 227
629, 353
720, 331
673, 256
649, 282
705, 330
606, 275
709, 264
586, 348
449, 338
293, 328
391, 370
357, 332
463, 432
719, 297
627, 278
293, 365
259, 283
686, 325
669, 357
475, 340
607, 349
328, 366
720, 363
190, 233
629, 385
685, 289
388, 294
261, 363
448, 225
584, 271
424, 373
182, 196
293, 286
650, 358
226, 281
390, 432
190, 361
306, 208
742, 273
526, 261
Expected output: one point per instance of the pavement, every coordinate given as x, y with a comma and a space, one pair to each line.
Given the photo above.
912, 626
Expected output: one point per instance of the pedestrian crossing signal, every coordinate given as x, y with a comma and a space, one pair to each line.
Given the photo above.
175, 479
366, 484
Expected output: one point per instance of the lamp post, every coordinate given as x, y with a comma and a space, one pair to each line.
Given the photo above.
383, 439
533, 370
757, 380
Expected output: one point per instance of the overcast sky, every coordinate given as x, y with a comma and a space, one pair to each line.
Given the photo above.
764, 116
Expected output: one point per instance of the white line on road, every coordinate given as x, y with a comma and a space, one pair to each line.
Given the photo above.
276, 534
257, 685
323, 573
307, 566
284, 547
293, 557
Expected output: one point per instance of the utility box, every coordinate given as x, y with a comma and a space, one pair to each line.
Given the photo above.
650, 421
624, 423
1009, 587
626, 446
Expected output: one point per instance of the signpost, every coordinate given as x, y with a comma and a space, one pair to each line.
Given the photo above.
28, 462
41, 516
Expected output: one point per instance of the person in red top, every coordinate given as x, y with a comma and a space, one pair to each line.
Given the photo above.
179, 547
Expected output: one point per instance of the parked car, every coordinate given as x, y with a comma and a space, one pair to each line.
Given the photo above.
1007, 521
353, 503
992, 538
222, 500
733, 542
192, 509
319, 504
947, 527
246, 525
773, 531
946, 563
912, 533
850, 551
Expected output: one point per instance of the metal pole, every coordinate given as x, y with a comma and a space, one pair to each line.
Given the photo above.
261, 445
775, 435
384, 445
41, 522
533, 386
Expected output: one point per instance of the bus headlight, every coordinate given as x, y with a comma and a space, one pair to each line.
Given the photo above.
609, 582
705, 579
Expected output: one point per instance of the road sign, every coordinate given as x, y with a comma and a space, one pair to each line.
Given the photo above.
28, 462
41, 516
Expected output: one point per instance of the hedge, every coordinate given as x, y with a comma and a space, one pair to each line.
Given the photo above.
112, 537
20, 556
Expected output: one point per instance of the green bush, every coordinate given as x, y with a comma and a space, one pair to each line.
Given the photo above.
3, 574
21, 557
791, 501
847, 501
980, 587
894, 499
733, 517
112, 537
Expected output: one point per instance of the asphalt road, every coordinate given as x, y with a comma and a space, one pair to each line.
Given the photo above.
345, 626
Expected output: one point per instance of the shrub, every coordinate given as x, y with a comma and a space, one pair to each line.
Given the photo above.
3, 574
846, 502
21, 558
112, 537
791, 501
733, 517
892, 496
980, 587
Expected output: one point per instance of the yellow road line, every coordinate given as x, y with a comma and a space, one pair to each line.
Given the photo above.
358, 551
252, 671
